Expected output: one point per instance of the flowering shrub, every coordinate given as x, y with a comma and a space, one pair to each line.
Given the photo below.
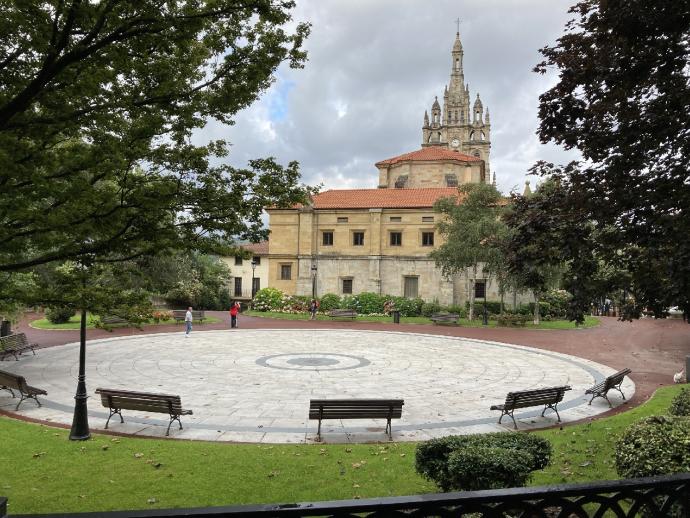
269, 299
329, 301
161, 316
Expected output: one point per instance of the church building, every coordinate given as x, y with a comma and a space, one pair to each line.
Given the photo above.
348, 241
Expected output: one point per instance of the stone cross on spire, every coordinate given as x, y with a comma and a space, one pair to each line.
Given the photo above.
457, 22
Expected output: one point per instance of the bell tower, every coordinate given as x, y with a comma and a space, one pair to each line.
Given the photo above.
462, 126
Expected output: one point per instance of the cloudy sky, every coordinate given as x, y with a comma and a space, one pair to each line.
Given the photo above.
375, 66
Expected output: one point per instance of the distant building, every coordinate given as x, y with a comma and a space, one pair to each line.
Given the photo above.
378, 240
243, 276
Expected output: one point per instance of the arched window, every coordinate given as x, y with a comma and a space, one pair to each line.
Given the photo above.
477, 153
483, 136
472, 136
457, 63
456, 115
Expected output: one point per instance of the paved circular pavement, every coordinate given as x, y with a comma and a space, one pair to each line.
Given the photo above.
255, 385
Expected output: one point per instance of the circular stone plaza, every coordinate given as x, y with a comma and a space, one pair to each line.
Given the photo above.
254, 384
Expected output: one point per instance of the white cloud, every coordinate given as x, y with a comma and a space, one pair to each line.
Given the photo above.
374, 67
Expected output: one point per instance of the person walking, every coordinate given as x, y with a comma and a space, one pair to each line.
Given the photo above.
234, 310
313, 308
188, 322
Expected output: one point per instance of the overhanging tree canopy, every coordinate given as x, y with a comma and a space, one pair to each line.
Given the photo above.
98, 101
622, 99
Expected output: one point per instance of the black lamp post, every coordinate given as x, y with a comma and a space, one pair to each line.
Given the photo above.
313, 280
253, 277
485, 316
80, 420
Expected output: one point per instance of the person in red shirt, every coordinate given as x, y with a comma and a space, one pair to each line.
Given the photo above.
234, 310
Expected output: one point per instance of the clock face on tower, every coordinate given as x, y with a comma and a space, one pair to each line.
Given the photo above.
455, 142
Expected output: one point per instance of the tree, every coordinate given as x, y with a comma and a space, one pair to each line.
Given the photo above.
533, 247
98, 101
472, 230
622, 100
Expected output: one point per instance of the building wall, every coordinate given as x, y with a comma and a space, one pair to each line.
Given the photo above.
375, 266
245, 272
422, 175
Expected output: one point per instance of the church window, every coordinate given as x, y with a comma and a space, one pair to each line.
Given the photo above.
358, 238
347, 286
401, 181
411, 287
457, 63
450, 115
285, 272
427, 219
396, 238
342, 220
477, 153
483, 136
472, 136
395, 219
479, 289
327, 238
456, 115
451, 180
427, 239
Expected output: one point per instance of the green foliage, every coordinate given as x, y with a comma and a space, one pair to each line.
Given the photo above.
492, 306
192, 279
98, 105
487, 468
622, 70
680, 406
656, 445
329, 301
268, 299
461, 311
437, 461
407, 307
367, 303
512, 320
60, 314
557, 301
429, 308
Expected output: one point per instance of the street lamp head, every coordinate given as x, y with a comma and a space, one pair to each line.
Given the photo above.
253, 263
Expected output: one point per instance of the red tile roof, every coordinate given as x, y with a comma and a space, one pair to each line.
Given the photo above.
430, 153
260, 248
381, 198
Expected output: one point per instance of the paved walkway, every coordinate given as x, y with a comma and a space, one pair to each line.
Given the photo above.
253, 384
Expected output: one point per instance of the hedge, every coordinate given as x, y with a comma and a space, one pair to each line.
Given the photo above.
680, 406
59, 315
433, 459
656, 445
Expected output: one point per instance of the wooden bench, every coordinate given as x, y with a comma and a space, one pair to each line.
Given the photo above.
342, 313
197, 315
356, 409
15, 345
9, 381
614, 381
549, 397
445, 318
117, 400
112, 320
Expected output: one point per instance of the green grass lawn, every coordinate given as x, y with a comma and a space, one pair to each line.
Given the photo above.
74, 322
41, 471
554, 324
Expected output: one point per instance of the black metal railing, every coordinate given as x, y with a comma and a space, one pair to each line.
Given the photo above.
663, 496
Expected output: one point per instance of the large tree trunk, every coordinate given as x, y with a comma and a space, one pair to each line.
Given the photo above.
537, 315
502, 296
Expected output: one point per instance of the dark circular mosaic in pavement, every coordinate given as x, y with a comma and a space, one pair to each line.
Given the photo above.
313, 361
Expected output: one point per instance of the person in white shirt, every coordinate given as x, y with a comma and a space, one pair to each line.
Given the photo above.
188, 322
